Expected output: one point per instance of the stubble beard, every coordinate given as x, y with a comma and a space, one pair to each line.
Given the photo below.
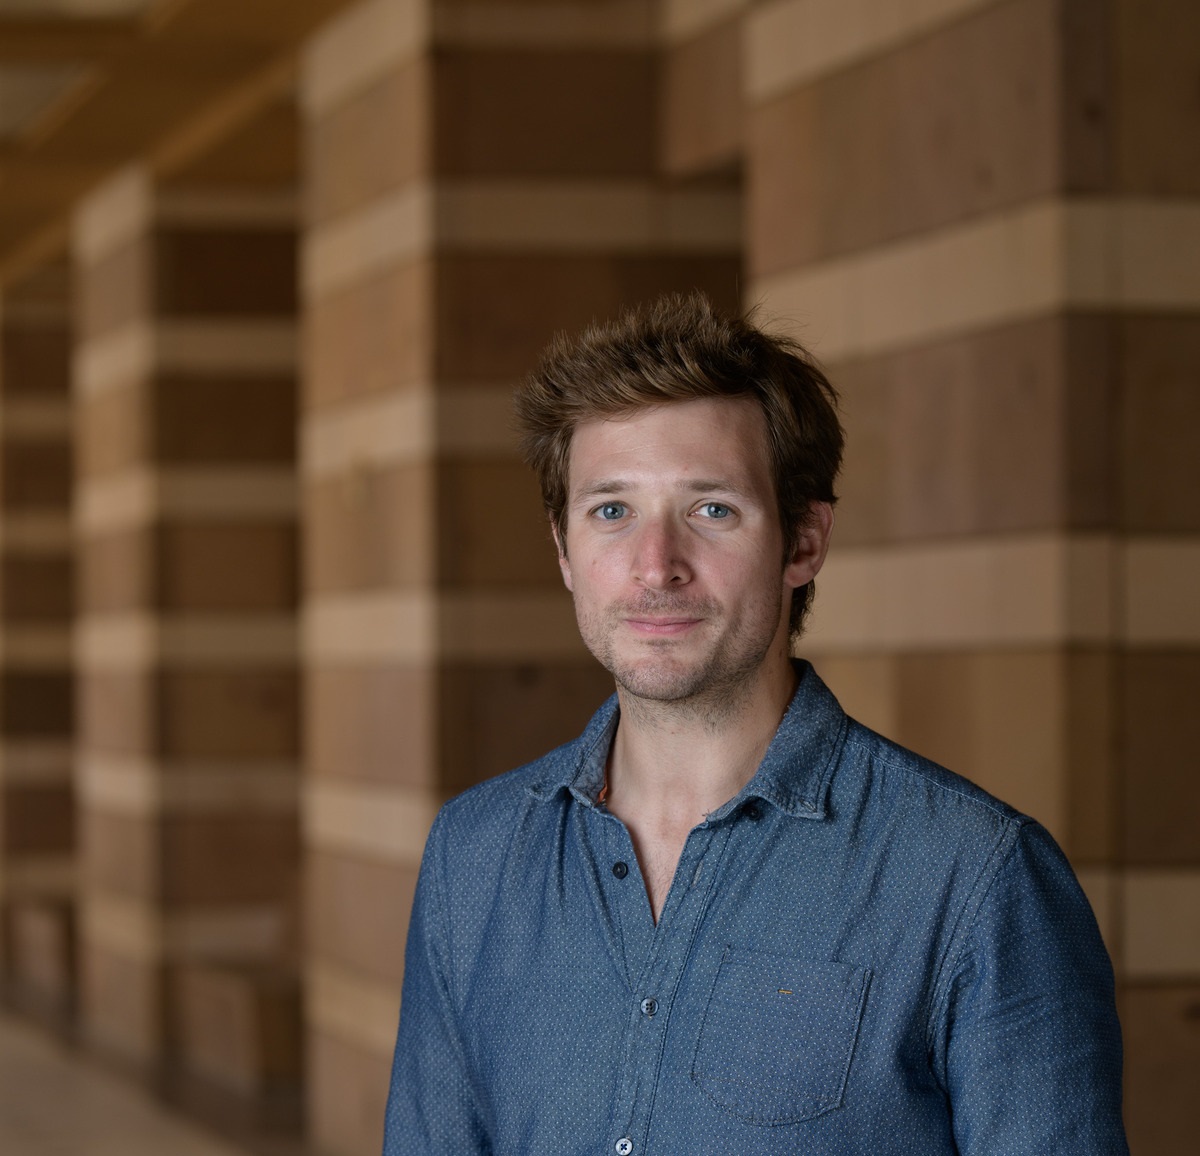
658, 682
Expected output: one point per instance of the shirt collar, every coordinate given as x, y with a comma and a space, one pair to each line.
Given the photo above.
793, 776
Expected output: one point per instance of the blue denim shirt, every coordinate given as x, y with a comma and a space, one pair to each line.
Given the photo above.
860, 954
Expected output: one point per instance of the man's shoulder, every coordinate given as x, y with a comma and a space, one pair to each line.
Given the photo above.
499, 804
834, 761
501, 820
534, 781
911, 781
940, 826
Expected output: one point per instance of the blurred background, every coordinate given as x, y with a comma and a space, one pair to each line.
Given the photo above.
273, 583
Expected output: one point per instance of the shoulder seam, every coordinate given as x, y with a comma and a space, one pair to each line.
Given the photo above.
964, 927
1006, 813
442, 916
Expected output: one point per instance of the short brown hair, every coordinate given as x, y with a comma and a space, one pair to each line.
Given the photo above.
680, 348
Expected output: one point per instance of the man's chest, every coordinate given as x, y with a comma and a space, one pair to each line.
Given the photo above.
746, 1005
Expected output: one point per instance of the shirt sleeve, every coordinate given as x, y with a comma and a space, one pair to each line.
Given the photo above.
431, 1108
1030, 1046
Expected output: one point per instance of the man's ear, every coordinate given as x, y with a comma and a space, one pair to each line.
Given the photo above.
812, 544
560, 544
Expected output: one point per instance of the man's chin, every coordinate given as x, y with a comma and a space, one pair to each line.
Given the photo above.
659, 680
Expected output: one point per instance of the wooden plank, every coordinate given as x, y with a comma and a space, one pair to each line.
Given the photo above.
205, 134
28, 243
189, 87
26, 180
51, 40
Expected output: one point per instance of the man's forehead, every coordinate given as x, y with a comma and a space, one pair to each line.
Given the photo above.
720, 410
730, 431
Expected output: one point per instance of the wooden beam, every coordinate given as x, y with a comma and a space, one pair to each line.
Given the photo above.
37, 248
26, 180
184, 86
53, 40
233, 108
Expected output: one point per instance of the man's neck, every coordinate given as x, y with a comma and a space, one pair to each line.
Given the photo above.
673, 764
685, 760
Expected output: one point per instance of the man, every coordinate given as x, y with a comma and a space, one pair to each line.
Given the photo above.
727, 918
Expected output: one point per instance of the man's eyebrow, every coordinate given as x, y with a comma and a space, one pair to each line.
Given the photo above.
599, 488
604, 486
712, 486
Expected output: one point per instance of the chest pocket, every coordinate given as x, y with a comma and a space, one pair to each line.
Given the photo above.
778, 1035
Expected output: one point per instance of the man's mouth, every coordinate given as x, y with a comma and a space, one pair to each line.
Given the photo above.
664, 626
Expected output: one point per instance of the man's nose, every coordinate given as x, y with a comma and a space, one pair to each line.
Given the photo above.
660, 560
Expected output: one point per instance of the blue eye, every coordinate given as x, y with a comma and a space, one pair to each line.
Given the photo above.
611, 511
715, 510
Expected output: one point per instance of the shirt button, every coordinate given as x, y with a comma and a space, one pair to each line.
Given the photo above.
620, 870
752, 811
649, 1006
624, 1146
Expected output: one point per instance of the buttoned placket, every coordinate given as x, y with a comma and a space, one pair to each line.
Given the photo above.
655, 956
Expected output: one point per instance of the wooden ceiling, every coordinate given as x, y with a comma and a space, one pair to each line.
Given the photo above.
202, 91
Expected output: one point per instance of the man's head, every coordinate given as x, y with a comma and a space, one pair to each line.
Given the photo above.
681, 349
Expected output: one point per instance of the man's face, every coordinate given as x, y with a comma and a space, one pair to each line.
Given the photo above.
674, 551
